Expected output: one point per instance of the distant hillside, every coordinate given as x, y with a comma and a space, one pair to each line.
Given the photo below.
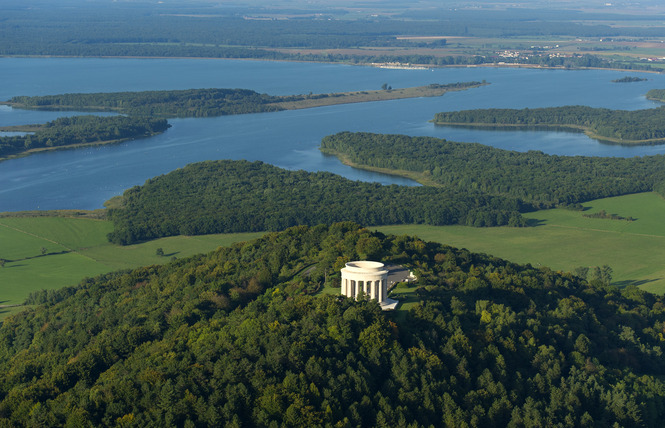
232, 338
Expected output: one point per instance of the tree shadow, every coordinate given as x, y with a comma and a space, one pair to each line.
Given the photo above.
534, 222
55, 253
171, 254
636, 283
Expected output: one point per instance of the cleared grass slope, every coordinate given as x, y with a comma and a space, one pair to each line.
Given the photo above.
564, 240
76, 248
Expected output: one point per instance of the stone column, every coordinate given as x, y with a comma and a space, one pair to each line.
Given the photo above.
367, 277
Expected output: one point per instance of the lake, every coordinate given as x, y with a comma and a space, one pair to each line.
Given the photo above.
85, 178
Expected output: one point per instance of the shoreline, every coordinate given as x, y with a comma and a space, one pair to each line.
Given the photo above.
72, 146
306, 101
309, 101
360, 64
417, 177
317, 100
567, 128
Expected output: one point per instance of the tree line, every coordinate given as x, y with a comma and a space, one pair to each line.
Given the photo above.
68, 131
240, 196
171, 103
472, 185
619, 125
656, 95
629, 79
131, 31
133, 25
231, 339
536, 179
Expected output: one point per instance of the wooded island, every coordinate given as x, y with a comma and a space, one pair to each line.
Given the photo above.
466, 184
536, 179
644, 127
218, 102
77, 131
138, 106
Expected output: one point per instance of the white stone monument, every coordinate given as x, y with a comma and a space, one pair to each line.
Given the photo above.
365, 278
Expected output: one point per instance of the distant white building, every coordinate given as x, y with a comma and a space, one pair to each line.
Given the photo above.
367, 278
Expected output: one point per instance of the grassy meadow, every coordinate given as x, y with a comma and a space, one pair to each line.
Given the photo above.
563, 239
53, 252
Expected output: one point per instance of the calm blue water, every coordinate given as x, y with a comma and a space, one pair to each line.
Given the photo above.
85, 178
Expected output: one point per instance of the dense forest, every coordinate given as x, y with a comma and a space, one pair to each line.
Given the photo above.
619, 126
240, 196
656, 95
207, 31
537, 179
68, 131
468, 184
233, 339
173, 103
97, 26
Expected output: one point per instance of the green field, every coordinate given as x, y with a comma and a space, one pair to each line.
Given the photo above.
564, 240
75, 248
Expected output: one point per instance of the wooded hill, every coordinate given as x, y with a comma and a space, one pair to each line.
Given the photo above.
616, 126
232, 339
241, 196
71, 131
536, 179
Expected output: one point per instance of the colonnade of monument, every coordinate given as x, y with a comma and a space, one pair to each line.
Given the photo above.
365, 278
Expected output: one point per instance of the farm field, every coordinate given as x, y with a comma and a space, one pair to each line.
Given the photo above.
564, 240
54, 252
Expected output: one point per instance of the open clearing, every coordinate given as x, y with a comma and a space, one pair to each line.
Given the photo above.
564, 239
53, 252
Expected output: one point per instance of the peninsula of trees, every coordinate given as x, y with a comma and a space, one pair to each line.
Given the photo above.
233, 339
79, 130
217, 102
240, 196
535, 179
614, 126
656, 95
466, 184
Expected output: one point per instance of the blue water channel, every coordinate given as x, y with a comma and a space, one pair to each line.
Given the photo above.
85, 178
